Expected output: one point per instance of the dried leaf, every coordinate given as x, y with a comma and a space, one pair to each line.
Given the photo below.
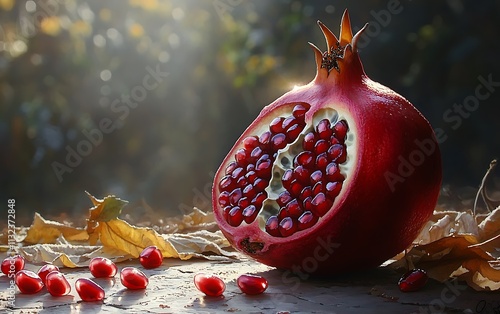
46, 231
490, 227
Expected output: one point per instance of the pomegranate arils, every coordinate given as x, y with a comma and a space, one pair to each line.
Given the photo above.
278, 141
251, 142
101, 267
305, 159
293, 132
321, 146
323, 129
210, 285
45, 270
276, 125
340, 129
151, 257
332, 189
287, 227
233, 165
252, 284
306, 220
259, 199
321, 204
413, 280
264, 139
235, 196
300, 110
272, 226
249, 213
235, 216
293, 209
224, 198
322, 161
133, 279
309, 141
12, 264
88, 290
260, 184
249, 191
289, 122
28, 282
283, 198
302, 174
57, 284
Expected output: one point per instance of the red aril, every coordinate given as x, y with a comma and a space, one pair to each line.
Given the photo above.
12, 264
210, 285
151, 257
133, 278
351, 165
45, 270
413, 280
28, 282
252, 284
101, 267
88, 290
57, 284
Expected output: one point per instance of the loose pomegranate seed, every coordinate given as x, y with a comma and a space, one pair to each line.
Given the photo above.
323, 129
210, 285
57, 284
101, 267
133, 279
278, 141
306, 220
88, 290
250, 213
151, 257
309, 141
235, 216
340, 129
45, 270
299, 111
28, 282
276, 125
251, 142
252, 284
287, 227
272, 226
413, 280
12, 264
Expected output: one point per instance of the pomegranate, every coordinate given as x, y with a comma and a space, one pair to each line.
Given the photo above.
413, 280
337, 175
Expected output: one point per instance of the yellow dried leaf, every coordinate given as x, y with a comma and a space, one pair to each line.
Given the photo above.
490, 227
119, 234
47, 231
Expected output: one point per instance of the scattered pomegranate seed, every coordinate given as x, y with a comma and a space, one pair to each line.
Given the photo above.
45, 270
151, 257
252, 284
101, 267
133, 279
28, 282
210, 285
57, 284
88, 290
12, 264
413, 280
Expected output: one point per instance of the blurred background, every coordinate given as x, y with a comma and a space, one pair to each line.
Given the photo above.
143, 98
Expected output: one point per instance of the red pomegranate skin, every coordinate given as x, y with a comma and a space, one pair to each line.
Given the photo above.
375, 216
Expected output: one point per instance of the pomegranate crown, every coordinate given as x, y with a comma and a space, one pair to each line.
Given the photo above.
337, 50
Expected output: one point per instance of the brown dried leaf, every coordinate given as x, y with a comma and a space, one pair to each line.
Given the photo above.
490, 227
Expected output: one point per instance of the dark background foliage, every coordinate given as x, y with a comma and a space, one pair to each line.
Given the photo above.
67, 66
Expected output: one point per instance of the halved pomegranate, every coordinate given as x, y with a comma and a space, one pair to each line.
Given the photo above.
339, 174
